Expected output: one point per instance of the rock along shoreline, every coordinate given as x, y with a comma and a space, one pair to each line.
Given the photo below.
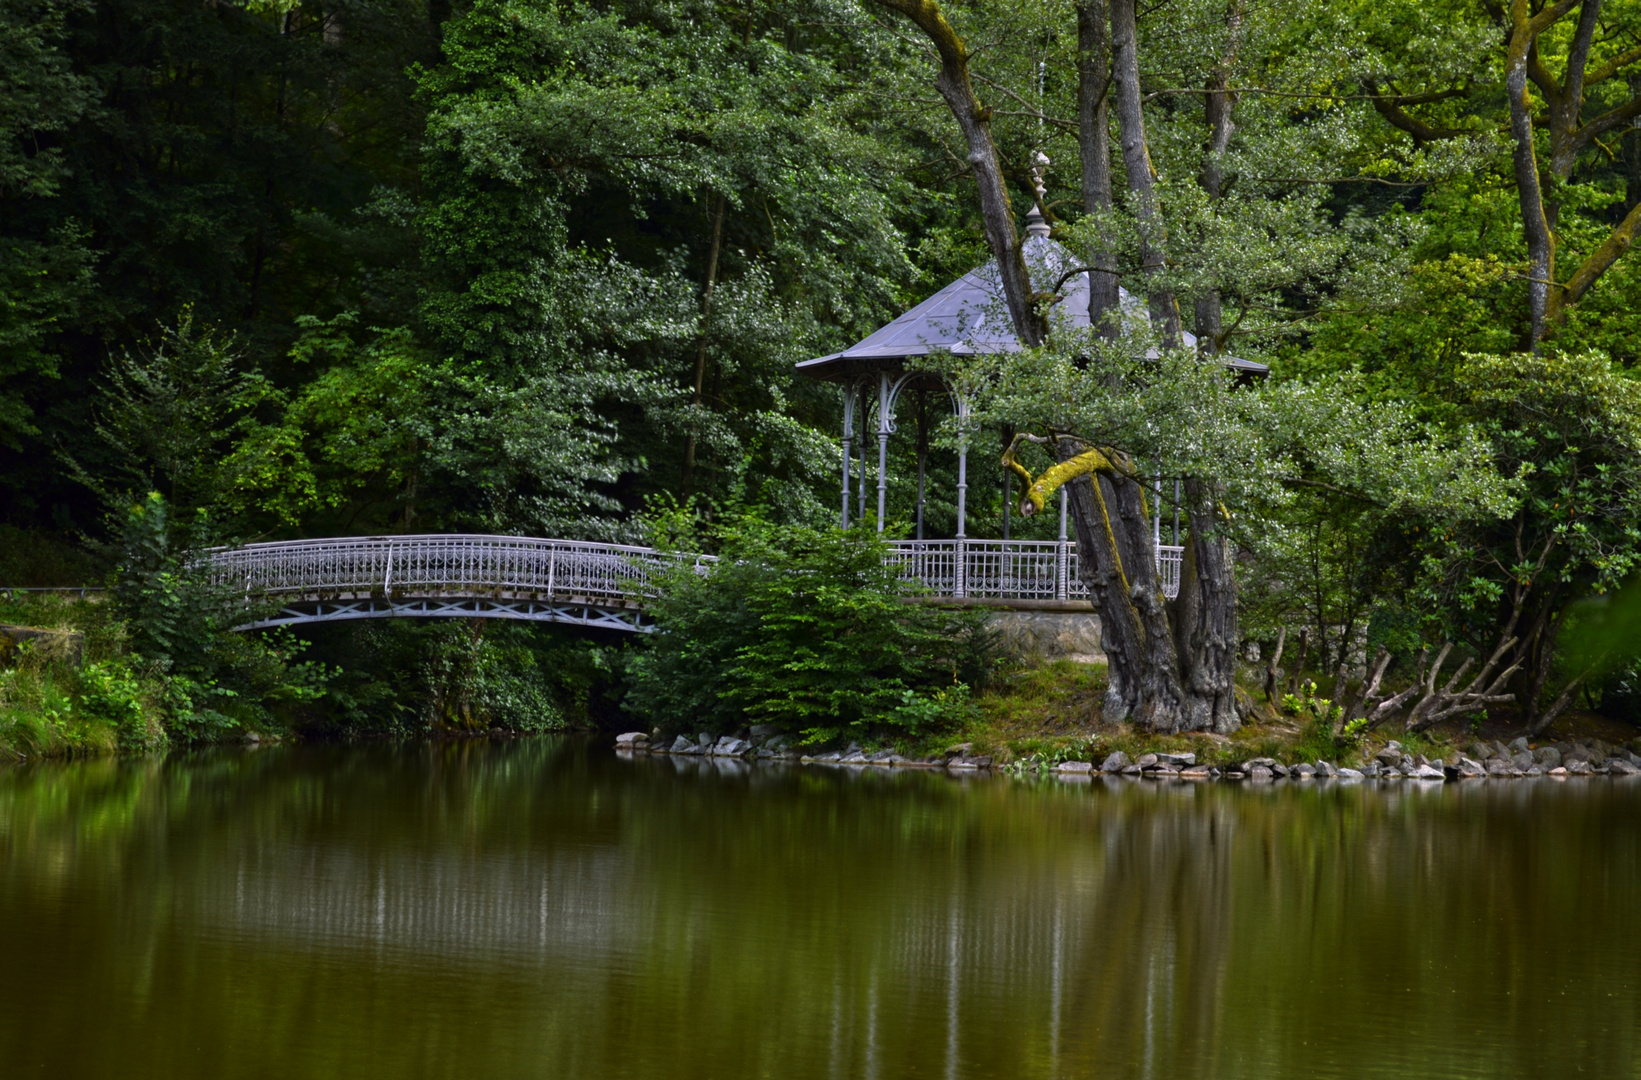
1479, 760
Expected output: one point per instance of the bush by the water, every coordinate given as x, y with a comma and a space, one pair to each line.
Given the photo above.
810, 631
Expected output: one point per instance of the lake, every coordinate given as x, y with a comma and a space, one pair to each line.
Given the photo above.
544, 908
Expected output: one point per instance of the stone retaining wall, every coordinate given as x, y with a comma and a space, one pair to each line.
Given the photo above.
1038, 636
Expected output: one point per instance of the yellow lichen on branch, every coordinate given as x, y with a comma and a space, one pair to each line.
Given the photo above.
1090, 461
1038, 490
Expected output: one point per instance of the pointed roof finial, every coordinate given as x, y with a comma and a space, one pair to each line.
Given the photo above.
1036, 223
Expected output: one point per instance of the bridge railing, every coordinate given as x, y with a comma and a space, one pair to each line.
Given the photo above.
443, 563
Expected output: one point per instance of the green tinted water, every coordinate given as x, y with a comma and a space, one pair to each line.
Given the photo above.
543, 909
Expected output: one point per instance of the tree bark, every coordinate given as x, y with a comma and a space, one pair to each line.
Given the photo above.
1125, 76
1094, 148
1205, 622
1219, 109
974, 119
1529, 192
1117, 562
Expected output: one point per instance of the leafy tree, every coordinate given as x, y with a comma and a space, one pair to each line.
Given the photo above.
653, 213
185, 416
1567, 430
43, 264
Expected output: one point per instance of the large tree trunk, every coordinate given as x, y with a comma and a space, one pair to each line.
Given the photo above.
1205, 624
1122, 582
1169, 671
974, 119
1125, 73
1094, 148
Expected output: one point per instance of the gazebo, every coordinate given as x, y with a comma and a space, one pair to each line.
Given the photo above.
966, 317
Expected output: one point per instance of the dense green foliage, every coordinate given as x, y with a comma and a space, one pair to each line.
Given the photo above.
809, 632
545, 266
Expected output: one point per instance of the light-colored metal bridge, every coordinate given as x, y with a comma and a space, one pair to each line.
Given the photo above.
592, 584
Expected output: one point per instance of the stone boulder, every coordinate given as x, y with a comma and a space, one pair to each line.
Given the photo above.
1519, 746
1351, 774
1182, 761
1618, 766
1427, 772
632, 740
1471, 767
683, 745
1074, 767
1302, 771
730, 746
1116, 761
1147, 761
1547, 756
1326, 769
1522, 759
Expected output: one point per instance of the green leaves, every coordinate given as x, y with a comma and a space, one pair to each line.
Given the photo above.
807, 630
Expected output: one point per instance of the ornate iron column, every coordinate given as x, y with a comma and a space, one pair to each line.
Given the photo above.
885, 428
848, 438
1062, 568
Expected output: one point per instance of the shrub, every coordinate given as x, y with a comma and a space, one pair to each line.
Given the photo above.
807, 630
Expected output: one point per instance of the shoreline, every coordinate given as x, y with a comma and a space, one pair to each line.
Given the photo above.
1519, 761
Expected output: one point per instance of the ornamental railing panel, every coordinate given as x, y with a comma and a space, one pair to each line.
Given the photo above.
1008, 569
443, 564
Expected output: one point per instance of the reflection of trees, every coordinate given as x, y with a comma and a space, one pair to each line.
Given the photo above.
532, 907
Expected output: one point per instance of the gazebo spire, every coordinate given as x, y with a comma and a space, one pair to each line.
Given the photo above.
1036, 223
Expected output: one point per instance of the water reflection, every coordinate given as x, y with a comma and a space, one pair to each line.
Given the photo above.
543, 908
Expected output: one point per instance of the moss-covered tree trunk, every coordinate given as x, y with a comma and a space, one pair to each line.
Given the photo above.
1171, 663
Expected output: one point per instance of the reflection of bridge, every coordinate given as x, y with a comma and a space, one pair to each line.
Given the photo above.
591, 584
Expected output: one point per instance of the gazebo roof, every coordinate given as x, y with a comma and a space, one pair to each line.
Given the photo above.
969, 316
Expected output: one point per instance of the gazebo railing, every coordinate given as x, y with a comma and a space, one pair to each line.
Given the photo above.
1009, 569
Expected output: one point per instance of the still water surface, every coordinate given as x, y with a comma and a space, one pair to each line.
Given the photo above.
544, 909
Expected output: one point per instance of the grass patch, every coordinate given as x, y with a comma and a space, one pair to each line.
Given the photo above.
1052, 712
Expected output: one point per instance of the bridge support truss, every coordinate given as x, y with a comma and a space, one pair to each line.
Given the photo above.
575, 614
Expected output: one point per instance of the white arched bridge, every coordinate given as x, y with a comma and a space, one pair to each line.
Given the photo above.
592, 584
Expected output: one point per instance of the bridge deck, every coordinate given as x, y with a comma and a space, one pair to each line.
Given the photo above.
592, 584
